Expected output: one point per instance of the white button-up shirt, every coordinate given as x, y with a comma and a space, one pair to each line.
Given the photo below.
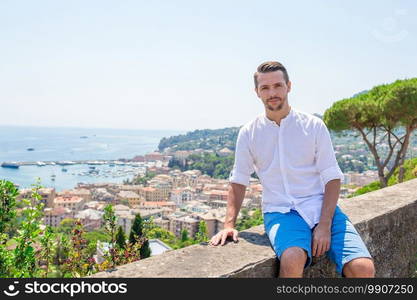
293, 160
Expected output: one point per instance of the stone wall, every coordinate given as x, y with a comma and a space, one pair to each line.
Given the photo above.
386, 220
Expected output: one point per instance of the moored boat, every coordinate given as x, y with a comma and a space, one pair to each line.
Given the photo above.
13, 165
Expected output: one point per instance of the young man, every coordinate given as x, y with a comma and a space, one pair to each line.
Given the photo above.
293, 156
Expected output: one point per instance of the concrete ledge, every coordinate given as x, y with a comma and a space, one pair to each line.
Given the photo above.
386, 220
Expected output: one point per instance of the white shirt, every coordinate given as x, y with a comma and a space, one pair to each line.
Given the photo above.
293, 160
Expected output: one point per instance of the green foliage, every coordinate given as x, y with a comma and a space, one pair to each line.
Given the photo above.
373, 186
24, 253
46, 254
22, 261
78, 262
137, 229
151, 231
62, 252
144, 179
8, 194
410, 167
184, 235
110, 223
145, 249
382, 109
97, 235
121, 238
201, 235
247, 221
207, 139
154, 232
136, 236
66, 226
208, 163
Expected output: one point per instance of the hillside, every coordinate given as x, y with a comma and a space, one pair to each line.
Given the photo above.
207, 139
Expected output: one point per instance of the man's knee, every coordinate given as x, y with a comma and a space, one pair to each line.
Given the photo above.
293, 260
360, 267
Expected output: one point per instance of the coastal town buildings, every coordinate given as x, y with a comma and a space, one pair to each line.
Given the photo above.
54, 216
75, 203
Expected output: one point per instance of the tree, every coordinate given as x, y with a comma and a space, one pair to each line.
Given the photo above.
8, 194
46, 254
137, 236
137, 229
388, 113
121, 238
66, 225
184, 236
145, 249
110, 221
201, 235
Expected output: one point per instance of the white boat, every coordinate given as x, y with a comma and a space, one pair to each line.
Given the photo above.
40, 163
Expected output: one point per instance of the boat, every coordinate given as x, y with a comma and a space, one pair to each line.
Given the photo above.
66, 163
84, 137
30, 149
13, 165
64, 170
40, 163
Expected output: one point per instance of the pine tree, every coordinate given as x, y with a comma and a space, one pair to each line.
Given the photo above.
137, 229
184, 235
121, 238
145, 250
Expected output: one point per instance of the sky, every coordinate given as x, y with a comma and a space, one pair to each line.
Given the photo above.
188, 65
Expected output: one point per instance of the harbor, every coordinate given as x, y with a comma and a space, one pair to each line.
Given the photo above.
67, 174
67, 163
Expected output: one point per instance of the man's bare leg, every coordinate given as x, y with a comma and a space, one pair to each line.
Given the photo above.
362, 267
292, 263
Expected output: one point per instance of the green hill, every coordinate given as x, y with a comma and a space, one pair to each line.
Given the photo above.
207, 139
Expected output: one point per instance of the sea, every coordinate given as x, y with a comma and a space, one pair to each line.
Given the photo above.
70, 144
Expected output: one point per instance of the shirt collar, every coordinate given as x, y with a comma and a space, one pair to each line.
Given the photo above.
284, 120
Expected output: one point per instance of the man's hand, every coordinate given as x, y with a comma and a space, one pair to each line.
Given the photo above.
222, 235
321, 240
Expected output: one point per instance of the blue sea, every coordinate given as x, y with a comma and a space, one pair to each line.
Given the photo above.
60, 143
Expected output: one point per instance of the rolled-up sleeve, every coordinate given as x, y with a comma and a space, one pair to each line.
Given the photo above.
243, 166
326, 162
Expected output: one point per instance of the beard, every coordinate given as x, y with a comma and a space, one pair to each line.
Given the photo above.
278, 108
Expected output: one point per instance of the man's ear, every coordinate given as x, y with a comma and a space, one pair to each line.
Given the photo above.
289, 86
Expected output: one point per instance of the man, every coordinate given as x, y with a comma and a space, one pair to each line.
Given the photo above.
293, 156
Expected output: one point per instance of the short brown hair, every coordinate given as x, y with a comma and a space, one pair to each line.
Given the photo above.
270, 66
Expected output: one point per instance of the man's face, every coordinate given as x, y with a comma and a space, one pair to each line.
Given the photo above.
273, 90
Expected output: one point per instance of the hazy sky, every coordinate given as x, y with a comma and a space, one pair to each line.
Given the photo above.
189, 64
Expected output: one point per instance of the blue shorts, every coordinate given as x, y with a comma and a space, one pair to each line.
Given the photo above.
287, 230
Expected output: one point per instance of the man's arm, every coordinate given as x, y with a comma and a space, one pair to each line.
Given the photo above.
322, 232
331, 176
234, 202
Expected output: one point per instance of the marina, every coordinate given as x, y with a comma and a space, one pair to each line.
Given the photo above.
68, 162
